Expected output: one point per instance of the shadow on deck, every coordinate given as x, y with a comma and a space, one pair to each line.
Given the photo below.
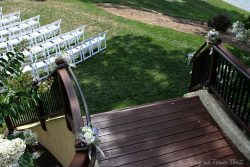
178, 133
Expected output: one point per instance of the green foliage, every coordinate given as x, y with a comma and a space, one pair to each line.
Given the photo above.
19, 93
220, 22
240, 54
246, 22
10, 62
26, 160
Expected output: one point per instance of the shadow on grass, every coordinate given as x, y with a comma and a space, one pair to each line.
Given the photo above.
133, 71
191, 9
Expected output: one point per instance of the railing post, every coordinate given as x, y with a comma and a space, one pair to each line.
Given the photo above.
212, 71
212, 68
60, 65
41, 115
9, 124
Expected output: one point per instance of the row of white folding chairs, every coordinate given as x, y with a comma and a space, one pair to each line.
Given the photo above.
36, 36
55, 44
17, 27
33, 37
10, 18
87, 48
76, 54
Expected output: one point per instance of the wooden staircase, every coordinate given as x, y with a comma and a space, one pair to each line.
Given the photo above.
178, 133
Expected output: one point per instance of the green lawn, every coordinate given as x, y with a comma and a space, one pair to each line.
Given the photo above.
191, 9
240, 54
142, 63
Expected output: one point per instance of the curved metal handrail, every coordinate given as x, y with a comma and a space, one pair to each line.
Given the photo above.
87, 114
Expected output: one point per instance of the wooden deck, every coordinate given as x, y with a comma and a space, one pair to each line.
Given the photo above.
177, 133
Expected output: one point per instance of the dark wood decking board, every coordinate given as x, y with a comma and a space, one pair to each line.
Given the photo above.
176, 133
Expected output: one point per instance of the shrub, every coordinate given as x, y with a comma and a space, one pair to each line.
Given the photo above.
220, 22
246, 22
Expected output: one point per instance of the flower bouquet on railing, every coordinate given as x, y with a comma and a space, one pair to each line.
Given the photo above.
212, 38
89, 138
18, 149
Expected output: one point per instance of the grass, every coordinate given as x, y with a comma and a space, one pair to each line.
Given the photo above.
143, 63
190, 9
240, 54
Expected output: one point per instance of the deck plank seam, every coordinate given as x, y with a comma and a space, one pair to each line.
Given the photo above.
220, 138
161, 137
132, 128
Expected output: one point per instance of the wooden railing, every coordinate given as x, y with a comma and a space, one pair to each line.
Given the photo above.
227, 78
62, 99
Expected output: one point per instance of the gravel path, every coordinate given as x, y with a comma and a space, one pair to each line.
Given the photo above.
243, 4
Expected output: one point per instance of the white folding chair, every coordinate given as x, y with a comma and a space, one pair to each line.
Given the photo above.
14, 40
39, 67
102, 40
55, 27
78, 34
51, 48
34, 22
10, 18
37, 36
50, 61
95, 44
86, 49
51, 30
15, 17
3, 45
15, 29
75, 54
60, 41
4, 31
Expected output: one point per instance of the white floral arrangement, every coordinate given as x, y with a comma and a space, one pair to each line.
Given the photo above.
13, 147
64, 55
212, 37
11, 151
89, 136
30, 137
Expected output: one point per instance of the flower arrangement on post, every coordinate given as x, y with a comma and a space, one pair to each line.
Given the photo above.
89, 137
212, 38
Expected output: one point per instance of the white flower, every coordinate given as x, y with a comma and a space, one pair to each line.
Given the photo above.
1, 136
36, 155
11, 151
89, 138
212, 36
30, 137
68, 59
